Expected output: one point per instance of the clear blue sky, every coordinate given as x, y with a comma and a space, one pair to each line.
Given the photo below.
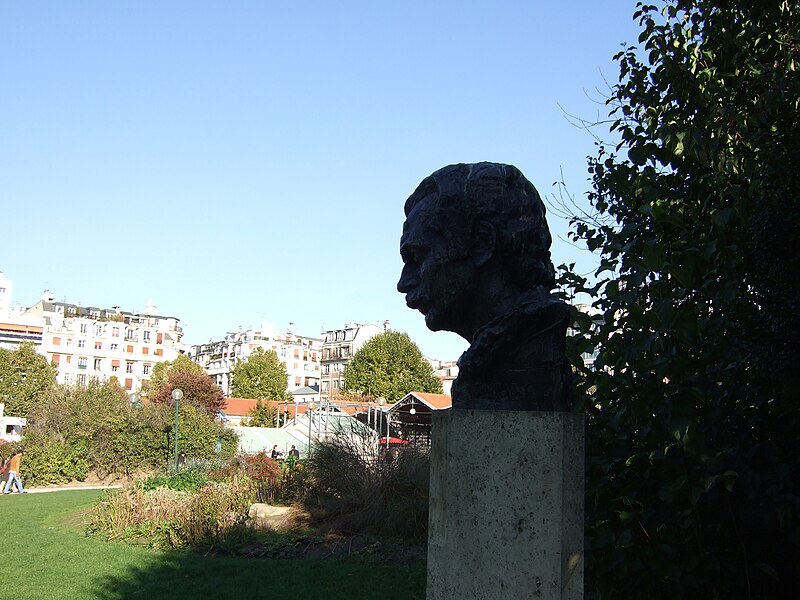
240, 162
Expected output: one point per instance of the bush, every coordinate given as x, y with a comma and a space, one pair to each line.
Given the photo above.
204, 518
276, 482
78, 429
190, 480
363, 487
49, 459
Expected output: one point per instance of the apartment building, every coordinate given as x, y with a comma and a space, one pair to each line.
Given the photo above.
300, 355
14, 327
338, 348
86, 343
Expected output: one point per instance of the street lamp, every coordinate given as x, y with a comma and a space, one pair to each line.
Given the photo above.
308, 413
382, 403
177, 394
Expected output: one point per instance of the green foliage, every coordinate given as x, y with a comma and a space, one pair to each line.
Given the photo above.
263, 414
390, 365
25, 377
262, 376
693, 486
189, 480
77, 429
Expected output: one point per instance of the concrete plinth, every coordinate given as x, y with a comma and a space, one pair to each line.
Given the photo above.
506, 505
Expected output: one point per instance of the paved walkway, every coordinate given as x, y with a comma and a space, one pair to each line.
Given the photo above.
66, 488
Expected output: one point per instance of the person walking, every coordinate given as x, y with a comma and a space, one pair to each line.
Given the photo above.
13, 473
4, 472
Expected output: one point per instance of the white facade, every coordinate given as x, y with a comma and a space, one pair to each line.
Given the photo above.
446, 371
337, 350
299, 354
5, 296
93, 343
10, 427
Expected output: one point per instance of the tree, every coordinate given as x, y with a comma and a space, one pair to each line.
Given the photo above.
197, 388
261, 376
25, 377
263, 414
390, 365
76, 429
693, 485
161, 371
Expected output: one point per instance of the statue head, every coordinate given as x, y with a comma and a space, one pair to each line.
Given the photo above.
475, 241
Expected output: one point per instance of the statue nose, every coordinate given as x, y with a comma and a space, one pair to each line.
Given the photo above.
406, 282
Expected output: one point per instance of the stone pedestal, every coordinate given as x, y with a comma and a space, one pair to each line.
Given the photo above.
506, 505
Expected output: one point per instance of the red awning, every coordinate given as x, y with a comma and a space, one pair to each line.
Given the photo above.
394, 441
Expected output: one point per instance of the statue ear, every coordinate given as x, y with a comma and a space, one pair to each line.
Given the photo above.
484, 241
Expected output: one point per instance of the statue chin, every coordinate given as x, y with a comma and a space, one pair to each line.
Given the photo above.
436, 321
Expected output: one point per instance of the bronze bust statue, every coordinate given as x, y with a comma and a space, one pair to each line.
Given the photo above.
476, 254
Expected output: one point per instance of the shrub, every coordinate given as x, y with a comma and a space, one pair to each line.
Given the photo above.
364, 487
190, 480
166, 517
77, 429
276, 482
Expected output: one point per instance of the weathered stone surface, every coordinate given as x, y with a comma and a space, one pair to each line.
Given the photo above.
506, 506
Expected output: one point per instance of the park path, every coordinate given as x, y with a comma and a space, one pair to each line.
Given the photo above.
66, 488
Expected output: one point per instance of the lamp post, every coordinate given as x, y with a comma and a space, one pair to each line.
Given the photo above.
177, 394
308, 412
382, 403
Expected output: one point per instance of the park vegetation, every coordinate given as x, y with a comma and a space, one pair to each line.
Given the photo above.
693, 479
24, 377
348, 485
389, 365
81, 429
262, 377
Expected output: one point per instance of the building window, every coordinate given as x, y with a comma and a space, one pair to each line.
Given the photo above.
114, 346
69, 341
146, 336
82, 379
98, 345
115, 332
114, 368
83, 327
81, 343
67, 377
82, 362
129, 335
129, 367
97, 363
56, 341
146, 369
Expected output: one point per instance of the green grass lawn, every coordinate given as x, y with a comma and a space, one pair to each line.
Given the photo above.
46, 555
